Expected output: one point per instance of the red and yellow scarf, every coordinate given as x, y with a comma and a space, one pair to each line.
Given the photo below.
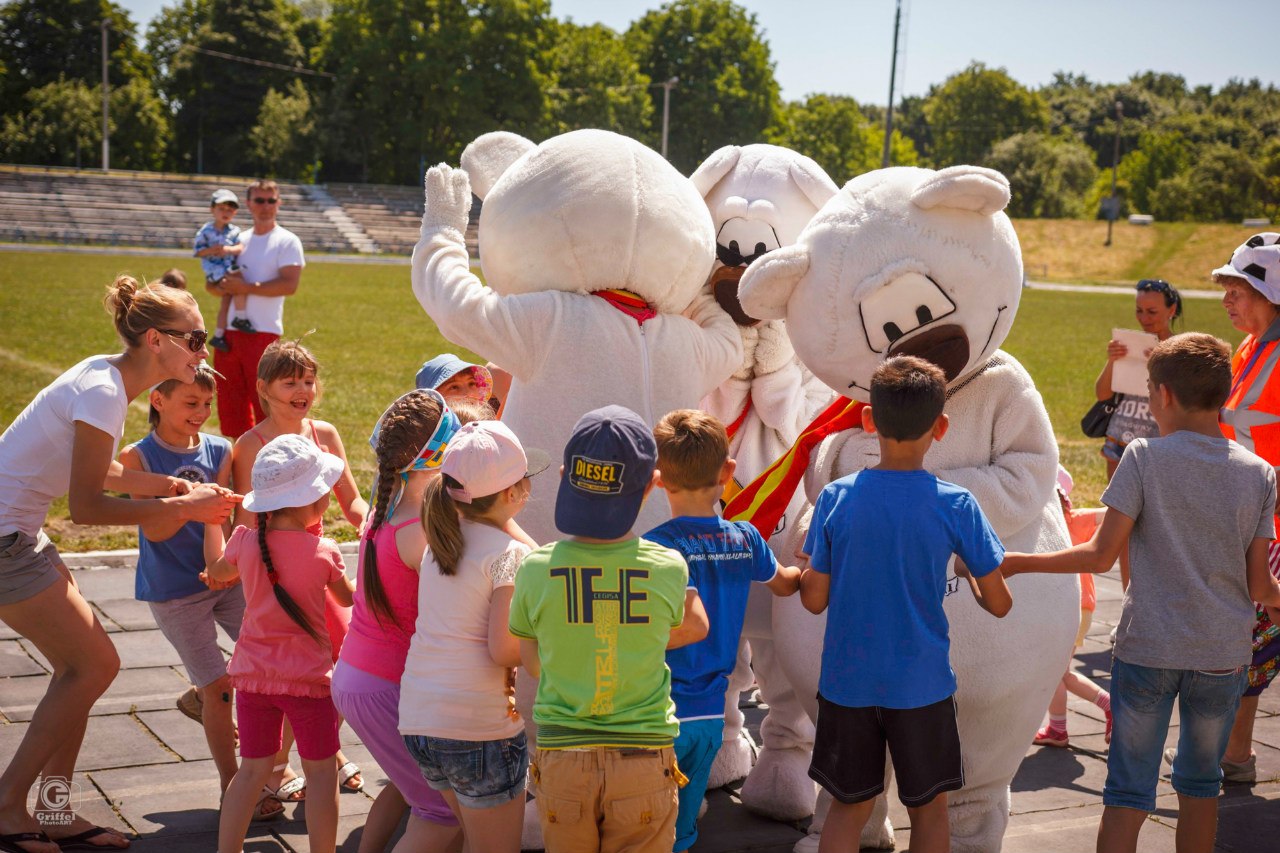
765, 498
628, 303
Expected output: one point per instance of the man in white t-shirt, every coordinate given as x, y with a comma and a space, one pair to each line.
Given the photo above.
270, 269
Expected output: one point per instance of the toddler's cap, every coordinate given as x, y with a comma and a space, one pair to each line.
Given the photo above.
1257, 261
442, 368
291, 471
224, 197
485, 457
608, 462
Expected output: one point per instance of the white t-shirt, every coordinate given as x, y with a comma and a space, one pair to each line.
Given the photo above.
451, 687
261, 260
35, 451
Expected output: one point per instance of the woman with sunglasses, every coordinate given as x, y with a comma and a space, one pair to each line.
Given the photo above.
1157, 305
408, 443
64, 443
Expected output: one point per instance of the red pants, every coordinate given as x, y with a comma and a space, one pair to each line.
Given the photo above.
238, 405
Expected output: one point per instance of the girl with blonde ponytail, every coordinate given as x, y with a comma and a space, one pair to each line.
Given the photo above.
408, 443
64, 443
457, 708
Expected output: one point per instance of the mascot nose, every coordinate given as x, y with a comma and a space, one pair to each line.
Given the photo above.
724, 287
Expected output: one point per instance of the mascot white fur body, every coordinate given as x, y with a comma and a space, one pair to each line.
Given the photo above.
761, 197
583, 212
911, 261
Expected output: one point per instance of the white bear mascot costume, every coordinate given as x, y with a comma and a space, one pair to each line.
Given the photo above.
908, 261
761, 197
583, 213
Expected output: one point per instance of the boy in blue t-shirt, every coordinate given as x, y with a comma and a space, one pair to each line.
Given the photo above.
878, 545
724, 557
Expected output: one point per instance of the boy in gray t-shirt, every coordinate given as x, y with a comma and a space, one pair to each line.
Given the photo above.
1196, 511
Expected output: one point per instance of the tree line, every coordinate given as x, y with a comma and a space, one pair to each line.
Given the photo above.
373, 90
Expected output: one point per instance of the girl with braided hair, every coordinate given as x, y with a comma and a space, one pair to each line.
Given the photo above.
283, 662
408, 443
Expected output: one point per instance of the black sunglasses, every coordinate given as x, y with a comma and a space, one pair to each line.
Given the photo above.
264, 200
195, 338
1156, 284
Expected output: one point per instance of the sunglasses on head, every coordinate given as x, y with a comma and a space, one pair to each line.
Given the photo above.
195, 338
264, 200
1156, 284
432, 452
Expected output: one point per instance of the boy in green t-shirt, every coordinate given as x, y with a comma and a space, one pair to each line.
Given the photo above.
597, 613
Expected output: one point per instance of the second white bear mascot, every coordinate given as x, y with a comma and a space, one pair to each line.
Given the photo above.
761, 197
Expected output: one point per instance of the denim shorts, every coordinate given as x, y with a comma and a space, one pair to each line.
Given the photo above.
481, 773
1141, 705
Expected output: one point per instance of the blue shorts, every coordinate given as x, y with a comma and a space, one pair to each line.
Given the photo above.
1141, 705
481, 773
696, 749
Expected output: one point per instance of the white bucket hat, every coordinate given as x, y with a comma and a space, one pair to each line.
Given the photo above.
1257, 261
291, 471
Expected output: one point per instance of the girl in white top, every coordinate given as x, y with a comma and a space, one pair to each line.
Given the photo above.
457, 708
64, 443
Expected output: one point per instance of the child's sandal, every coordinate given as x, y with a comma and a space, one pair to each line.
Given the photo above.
292, 791
349, 773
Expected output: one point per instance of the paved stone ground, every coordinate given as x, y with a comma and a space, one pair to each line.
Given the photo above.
145, 770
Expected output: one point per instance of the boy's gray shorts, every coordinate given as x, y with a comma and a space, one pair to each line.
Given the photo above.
188, 623
28, 566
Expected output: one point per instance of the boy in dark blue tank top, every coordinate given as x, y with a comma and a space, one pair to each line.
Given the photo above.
171, 560
879, 543
724, 558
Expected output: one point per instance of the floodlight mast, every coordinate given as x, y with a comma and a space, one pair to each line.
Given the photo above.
893, 76
667, 86
106, 118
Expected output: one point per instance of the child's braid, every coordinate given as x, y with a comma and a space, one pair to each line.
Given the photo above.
405, 428
282, 595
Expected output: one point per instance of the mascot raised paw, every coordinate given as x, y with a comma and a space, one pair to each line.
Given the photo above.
761, 197
908, 261
595, 251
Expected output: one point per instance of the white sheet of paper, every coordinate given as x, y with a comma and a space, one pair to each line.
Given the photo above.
1129, 375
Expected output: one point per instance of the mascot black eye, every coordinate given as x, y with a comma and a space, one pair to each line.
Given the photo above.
892, 332
923, 315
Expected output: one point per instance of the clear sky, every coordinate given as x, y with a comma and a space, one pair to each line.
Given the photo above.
843, 46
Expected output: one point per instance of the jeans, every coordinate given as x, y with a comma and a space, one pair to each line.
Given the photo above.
1141, 705
481, 773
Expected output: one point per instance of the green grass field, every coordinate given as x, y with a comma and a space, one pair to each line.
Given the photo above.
371, 336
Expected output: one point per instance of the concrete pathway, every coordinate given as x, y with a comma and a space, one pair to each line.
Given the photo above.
145, 770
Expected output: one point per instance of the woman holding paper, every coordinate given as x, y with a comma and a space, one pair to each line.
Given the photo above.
1158, 304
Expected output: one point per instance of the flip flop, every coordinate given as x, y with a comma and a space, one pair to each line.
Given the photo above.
81, 840
349, 772
9, 843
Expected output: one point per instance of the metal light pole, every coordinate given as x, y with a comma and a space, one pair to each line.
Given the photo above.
1115, 164
893, 76
106, 125
667, 86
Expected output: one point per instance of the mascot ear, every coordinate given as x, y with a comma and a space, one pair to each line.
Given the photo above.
714, 168
816, 184
972, 188
767, 284
488, 156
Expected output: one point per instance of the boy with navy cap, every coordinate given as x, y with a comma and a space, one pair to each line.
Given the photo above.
597, 612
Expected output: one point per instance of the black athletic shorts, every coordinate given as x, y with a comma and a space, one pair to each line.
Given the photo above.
848, 753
